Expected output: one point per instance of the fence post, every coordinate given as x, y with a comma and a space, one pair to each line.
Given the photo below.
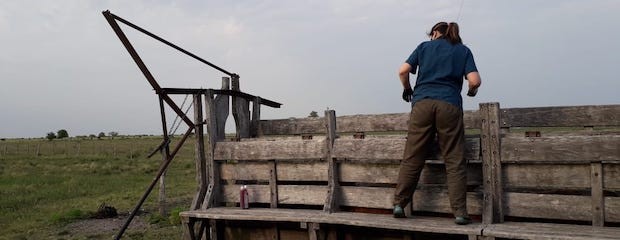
598, 197
201, 165
331, 203
492, 204
241, 111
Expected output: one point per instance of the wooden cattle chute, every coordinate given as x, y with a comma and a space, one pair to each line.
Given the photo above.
317, 178
526, 166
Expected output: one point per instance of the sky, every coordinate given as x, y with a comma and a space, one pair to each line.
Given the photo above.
62, 66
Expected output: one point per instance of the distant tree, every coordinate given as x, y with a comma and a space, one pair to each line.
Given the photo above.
92, 136
313, 114
62, 134
101, 134
50, 136
113, 134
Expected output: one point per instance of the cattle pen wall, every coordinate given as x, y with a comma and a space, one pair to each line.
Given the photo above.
525, 165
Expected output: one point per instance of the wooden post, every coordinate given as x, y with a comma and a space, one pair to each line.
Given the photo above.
332, 201
201, 164
241, 111
273, 183
212, 195
255, 130
165, 154
222, 105
492, 209
598, 198
38, 153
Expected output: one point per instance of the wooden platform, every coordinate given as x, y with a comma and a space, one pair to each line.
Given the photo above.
383, 221
522, 230
517, 230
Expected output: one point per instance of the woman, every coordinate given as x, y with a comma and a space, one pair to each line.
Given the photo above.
437, 109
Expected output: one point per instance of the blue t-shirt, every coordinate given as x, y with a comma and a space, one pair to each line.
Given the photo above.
442, 66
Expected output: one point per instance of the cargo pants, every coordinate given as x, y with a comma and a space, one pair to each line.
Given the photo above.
429, 117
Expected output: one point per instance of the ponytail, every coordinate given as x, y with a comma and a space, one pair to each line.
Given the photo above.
450, 31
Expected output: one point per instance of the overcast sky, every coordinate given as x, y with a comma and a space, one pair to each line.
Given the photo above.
61, 65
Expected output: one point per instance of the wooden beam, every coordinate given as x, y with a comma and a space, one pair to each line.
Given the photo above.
213, 187
271, 150
200, 158
222, 103
598, 198
390, 149
273, 183
491, 168
241, 111
333, 186
255, 130
561, 148
350, 124
548, 206
573, 116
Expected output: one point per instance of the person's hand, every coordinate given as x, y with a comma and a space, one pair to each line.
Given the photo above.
407, 94
472, 92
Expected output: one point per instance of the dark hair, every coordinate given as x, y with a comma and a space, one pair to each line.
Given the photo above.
450, 31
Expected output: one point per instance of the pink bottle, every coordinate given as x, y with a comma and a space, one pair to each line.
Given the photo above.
244, 200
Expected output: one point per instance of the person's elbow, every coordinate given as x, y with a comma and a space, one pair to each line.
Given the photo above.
404, 69
474, 79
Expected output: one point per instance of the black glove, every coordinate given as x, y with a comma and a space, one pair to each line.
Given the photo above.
407, 94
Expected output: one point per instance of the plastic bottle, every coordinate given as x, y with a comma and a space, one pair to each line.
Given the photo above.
244, 200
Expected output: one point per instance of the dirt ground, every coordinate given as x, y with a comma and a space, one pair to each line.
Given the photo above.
107, 227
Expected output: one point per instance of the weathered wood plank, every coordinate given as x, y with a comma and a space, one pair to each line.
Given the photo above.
612, 209
213, 187
521, 230
200, 157
255, 122
611, 176
353, 123
287, 194
388, 149
385, 221
491, 164
286, 171
270, 150
561, 149
273, 183
244, 171
431, 200
549, 206
388, 173
240, 111
333, 193
222, 103
598, 197
308, 171
546, 176
573, 116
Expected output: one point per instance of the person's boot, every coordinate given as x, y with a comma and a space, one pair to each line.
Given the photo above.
462, 220
399, 212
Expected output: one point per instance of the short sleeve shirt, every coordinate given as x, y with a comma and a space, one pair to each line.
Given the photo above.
441, 67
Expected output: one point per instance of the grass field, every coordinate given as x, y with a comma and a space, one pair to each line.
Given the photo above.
41, 195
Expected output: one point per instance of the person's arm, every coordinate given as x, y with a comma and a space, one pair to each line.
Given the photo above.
474, 81
403, 73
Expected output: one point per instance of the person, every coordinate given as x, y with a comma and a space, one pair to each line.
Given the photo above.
441, 64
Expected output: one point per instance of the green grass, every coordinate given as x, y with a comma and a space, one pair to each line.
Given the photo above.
40, 195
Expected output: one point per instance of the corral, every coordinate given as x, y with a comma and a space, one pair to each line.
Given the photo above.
333, 177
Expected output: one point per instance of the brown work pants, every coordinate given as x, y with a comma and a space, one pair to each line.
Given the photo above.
429, 117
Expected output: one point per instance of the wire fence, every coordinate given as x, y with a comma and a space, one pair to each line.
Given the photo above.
129, 148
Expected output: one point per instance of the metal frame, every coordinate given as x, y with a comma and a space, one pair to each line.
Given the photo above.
164, 98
